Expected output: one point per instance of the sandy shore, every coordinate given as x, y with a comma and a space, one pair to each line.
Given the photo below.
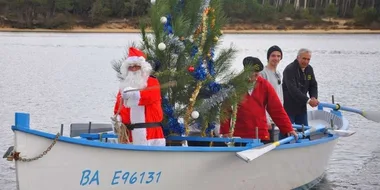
227, 31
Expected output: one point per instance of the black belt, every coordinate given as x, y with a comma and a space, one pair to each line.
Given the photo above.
143, 125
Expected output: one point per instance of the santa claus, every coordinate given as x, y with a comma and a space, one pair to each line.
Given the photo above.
141, 109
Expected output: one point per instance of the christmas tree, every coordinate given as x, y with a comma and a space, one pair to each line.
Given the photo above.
182, 48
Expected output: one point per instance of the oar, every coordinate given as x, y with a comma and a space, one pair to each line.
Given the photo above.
162, 86
370, 115
253, 153
340, 133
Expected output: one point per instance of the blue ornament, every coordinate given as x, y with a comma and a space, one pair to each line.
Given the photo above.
172, 125
200, 71
214, 87
211, 69
210, 127
168, 25
194, 50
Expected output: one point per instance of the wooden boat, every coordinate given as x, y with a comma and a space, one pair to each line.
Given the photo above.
44, 160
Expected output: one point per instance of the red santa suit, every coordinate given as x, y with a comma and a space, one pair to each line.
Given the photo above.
141, 106
251, 113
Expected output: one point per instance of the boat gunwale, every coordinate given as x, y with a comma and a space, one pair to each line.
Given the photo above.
97, 144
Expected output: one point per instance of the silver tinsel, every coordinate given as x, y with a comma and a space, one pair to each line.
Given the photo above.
150, 41
178, 46
214, 100
205, 4
176, 42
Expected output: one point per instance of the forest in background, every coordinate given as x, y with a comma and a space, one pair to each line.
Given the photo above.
243, 14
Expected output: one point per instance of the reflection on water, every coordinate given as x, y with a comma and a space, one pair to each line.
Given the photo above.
65, 78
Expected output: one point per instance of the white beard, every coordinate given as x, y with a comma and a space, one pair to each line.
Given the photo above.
136, 79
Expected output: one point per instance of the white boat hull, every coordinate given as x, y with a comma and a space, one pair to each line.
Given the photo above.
74, 166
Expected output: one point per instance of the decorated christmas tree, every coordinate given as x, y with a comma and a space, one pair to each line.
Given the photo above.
180, 39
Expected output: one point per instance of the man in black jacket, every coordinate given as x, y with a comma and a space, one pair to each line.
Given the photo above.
298, 80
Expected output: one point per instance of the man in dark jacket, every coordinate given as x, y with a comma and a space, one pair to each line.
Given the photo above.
298, 80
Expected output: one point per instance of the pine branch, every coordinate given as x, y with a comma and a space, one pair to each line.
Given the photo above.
191, 10
223, 62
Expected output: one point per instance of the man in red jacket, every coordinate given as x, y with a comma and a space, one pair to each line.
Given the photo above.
251, 111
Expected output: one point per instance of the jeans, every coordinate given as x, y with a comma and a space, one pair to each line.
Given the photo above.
299, 119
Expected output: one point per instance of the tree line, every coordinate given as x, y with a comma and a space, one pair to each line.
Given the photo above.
90, 13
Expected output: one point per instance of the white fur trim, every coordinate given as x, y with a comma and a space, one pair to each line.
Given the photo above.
139, 137
138, 116
135, 59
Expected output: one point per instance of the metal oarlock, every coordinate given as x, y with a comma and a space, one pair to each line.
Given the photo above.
61, 129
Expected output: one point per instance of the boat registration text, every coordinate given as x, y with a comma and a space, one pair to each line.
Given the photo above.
121, 177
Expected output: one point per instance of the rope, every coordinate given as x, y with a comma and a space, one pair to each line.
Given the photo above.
120, 129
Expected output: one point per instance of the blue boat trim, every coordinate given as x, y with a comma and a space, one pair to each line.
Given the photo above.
300, 126
159, 148
127, 146
22, 125
96, 136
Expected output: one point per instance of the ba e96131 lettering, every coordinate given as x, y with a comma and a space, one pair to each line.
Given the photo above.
121, 177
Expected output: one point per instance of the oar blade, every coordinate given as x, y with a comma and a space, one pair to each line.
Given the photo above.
343, 133
251, 154
372, 115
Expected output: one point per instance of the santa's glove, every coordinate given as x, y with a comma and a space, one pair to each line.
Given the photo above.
131, 98
128, 94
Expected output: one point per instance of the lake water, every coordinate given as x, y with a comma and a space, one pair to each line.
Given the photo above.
65, 78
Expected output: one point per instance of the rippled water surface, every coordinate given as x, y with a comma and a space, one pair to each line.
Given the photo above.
65, 78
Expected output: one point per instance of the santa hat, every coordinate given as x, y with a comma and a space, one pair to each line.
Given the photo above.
135, 57
135, 53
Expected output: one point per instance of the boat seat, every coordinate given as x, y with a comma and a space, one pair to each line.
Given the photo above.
77, 128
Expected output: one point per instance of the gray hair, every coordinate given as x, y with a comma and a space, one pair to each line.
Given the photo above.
303, 50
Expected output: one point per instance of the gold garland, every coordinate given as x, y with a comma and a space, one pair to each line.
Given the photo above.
191, 106
202, 28
199, 83
212, 135
233, 120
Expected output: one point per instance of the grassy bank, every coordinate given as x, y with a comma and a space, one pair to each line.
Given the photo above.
227, 31
335, 26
